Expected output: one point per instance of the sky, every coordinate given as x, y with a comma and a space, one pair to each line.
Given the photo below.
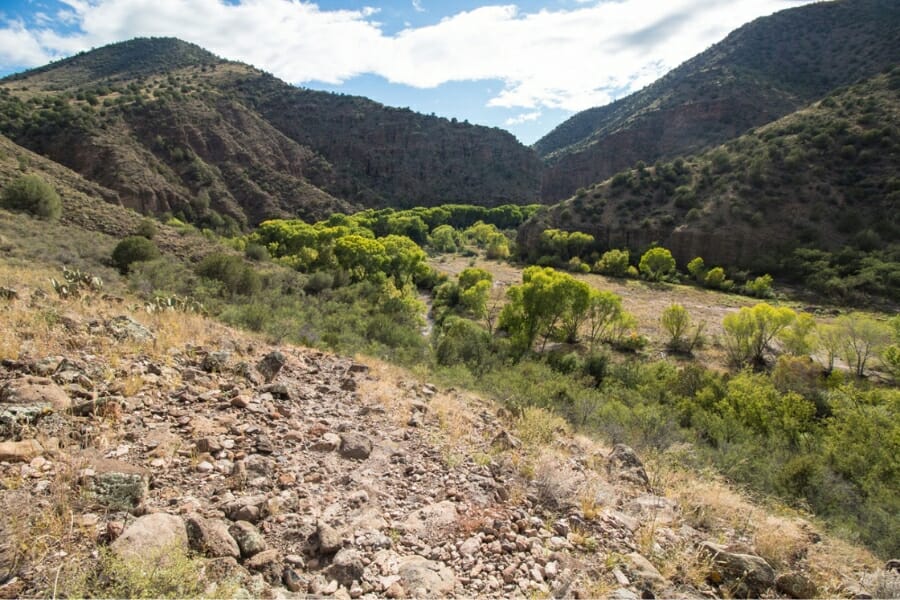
524, 66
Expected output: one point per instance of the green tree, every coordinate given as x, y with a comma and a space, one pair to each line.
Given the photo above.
797, 338
715, 279
31, 193
613, 263
497, 247
749, 331
537, 306
657, 264
474, 290
862, 337
445, 238
404, 258
676, 322
604, 310
697, 269
131, 250
362, 257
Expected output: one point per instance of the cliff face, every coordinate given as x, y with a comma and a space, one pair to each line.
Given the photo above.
394, 157
173, 129
760, 72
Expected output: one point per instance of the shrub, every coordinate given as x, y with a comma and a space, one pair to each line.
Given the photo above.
657, 264
715, 279
463, 342
236, 276
131, 250
761, 287
146, 228
537, 426
676, 322
697, 269
613, 263
596, 366
31, 193
749, 332
166, 573
256, 252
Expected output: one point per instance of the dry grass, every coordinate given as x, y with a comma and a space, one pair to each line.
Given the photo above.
784, 538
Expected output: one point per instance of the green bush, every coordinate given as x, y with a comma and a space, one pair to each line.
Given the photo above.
256, 252
31, 193
146, 228
236, 276
613, 263
761, 287
131, 250
657, 264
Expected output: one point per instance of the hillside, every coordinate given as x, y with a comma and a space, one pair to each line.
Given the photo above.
823, 178
165, 455
173, 129
760, 72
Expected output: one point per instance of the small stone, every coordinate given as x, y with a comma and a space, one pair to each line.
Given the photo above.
355, 446
795, 585
346, 567
267, 562
215, 362
210, 537
249, 540
292, 581
470, 546
329, 442
330, 540
205, 467
209, 445
395, 590
270, 365
150, 535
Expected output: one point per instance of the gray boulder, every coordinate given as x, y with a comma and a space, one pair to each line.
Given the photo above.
425, 578
746, 575
210, 537
355, 446
151, 537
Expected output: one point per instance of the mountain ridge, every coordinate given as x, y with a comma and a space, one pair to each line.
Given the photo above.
761, 71
209, 140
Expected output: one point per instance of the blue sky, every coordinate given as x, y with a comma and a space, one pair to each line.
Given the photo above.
524, 66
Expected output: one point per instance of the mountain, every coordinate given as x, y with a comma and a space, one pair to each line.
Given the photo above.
761, 71
822, 178
173, 129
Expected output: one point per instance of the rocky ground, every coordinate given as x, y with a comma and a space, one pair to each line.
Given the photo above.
291, 472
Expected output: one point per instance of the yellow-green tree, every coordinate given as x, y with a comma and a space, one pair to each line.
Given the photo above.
749, 332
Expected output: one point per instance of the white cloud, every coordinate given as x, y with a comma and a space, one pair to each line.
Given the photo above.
417, 6
523, 118
566, 58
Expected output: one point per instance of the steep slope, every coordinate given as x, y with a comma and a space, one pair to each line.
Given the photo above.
174, 129
760, 72
823, 177
387, 156
129, 439
92, 218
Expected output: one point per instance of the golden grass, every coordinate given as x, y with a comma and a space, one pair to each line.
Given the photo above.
784, 538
